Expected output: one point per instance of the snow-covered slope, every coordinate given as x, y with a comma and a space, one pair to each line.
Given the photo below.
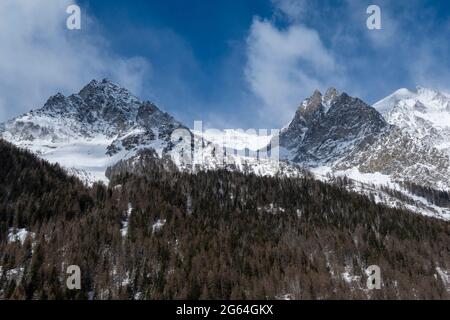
404, 138
91, 130
104, 123
383, 189
237, 139
423, 113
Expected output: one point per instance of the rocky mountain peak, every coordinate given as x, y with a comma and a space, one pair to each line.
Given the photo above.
92, 129
312, 104
318, 102
104, 86
101, 94
330, 95
325, 126
101, 108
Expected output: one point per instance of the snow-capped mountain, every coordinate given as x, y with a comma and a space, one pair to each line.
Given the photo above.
104, 123
325, 128
93, 129
423, 113
416, 148
403, 138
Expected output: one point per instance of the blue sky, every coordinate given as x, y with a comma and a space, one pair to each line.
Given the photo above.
232, 64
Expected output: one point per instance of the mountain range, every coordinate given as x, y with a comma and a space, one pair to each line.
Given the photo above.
396, 151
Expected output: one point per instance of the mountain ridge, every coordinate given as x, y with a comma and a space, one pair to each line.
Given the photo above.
333, 133
368, 146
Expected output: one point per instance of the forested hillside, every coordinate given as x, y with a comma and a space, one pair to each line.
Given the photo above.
157, 233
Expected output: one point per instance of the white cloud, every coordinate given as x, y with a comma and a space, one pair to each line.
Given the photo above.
285, 66
39, 56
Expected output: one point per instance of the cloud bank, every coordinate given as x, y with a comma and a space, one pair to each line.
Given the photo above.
39, 56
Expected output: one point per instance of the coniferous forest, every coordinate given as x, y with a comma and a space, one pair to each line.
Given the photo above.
157, 233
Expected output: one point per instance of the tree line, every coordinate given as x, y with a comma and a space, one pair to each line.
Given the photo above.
157, 233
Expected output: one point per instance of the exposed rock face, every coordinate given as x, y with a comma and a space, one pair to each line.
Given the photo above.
423, 121
403, 138
104, 123
406, 142
326, 127
100, 125
100, 108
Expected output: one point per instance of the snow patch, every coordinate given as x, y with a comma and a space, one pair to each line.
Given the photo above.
158, 225
124, 230
19, 235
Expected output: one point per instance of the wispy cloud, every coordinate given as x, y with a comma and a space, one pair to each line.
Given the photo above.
39, 56
285, 65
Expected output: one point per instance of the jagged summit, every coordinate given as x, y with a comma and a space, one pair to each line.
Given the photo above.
318, 98
100, 106
323, 125
91, 128
104, 123
311, 105
330, 95
107, 89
